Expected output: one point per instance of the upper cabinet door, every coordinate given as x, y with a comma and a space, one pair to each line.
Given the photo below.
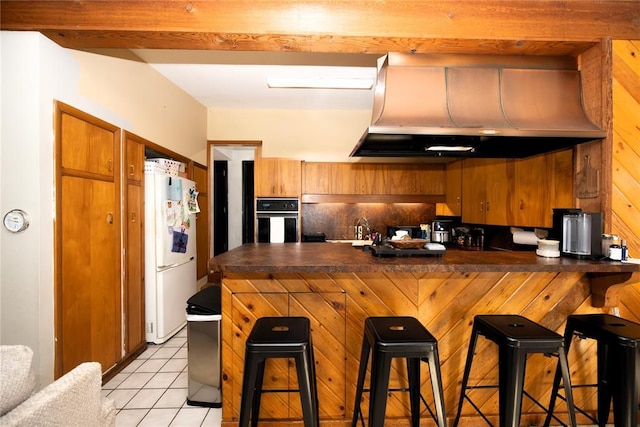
317, 178
454, 187
542, 183
134, 160
277, 177
86, 147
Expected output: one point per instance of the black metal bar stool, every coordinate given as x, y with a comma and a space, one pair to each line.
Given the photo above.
279, 337
618, 351
393, 337
516, 337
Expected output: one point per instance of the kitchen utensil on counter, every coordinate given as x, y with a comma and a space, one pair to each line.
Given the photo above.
412, 231
408, 243
548, 248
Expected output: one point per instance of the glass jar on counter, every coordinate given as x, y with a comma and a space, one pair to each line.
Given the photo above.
606, 243
615, 250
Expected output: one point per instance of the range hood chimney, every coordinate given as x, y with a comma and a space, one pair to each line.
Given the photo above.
475, 106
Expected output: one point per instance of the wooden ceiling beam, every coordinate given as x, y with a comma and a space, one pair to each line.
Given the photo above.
357, 26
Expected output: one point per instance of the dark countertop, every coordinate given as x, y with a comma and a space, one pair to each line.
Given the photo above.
343, 258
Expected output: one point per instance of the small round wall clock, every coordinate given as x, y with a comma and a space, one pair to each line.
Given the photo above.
16, 220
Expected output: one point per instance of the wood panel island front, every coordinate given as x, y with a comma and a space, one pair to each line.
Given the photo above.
337, 286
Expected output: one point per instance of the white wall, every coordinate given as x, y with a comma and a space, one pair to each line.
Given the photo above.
311, 135
35, 72
235, 195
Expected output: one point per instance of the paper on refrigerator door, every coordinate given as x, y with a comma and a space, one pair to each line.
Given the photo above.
192, 201
276, 225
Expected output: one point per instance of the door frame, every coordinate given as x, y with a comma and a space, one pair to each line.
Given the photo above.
211, 145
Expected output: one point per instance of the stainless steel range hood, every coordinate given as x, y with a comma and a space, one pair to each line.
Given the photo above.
475, 106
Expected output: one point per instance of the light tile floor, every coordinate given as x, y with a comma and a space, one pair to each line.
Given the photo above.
152, 390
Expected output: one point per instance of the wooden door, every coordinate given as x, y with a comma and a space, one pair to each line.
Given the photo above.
343, 178
88, 241
370, 178
401, 178
134, 278
561, 184
531, 188
134, 158
200, 176
453, 187
277, 177
133, 309
498, 188
317, 178
289, 178
474, 191
86, 147
89, 290
266, 176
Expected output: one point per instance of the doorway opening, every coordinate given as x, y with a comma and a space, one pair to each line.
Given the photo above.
233, 203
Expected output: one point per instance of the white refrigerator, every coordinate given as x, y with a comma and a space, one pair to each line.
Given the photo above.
170, 253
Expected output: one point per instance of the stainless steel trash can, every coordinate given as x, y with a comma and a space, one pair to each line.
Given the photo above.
203, 343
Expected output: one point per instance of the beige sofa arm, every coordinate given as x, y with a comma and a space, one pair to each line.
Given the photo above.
72, 400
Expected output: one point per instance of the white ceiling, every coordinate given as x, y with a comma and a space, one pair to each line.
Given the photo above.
238, 79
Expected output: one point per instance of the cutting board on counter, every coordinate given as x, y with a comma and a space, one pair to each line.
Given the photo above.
587, 181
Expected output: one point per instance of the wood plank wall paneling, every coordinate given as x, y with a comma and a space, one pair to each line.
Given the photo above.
625, 191
445, 302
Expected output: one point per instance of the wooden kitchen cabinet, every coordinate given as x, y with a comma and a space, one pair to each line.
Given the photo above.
134, 157
453, 188
358, 178
414, 178
370, 178
344, 178
373, 179
486, 186
277, 177
99, 256
521, 192
134, 302
542, 183
317, 178
88, 310
87, 147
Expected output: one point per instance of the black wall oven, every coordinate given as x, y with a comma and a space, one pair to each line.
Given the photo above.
277, 220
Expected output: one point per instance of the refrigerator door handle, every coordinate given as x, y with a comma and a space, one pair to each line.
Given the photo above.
166, 267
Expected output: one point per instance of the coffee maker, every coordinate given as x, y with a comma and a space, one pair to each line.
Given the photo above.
558, 214
582, 234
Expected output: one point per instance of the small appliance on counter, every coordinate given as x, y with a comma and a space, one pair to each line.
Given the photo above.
582, 235
558, 214
441, 230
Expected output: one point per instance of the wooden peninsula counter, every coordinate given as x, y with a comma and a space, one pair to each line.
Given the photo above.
337, 286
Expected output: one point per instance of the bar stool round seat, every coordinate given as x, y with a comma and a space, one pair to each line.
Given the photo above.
279, 337
392, 337
618, 361
516, 338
